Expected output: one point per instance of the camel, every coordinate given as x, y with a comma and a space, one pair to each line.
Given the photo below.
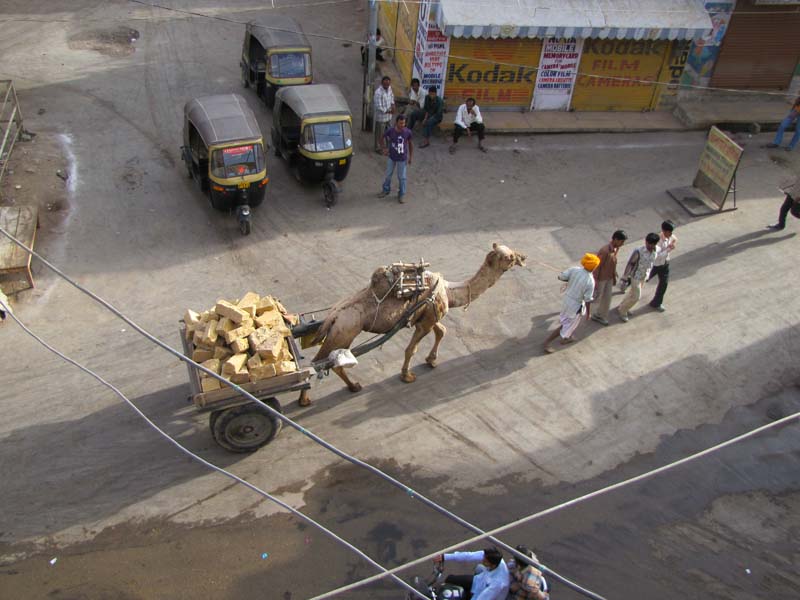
365, 311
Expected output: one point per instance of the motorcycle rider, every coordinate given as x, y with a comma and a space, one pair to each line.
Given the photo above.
527, 582
491, 578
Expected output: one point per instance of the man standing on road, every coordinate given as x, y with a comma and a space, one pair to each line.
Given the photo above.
468, 119
490, 581
384, 109
577, 295
431, 115
605, 276
666, 244
636, 272
790, 205
400, 150
785, 124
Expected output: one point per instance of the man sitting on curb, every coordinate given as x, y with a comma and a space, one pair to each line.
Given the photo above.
431, 115
468, 119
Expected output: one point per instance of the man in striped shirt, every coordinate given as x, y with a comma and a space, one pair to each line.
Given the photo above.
384, 109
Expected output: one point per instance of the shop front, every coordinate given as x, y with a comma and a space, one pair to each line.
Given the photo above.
587, 55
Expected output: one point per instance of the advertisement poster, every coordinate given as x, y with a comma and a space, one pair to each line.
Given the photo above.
430, 51
557, 69
705, 51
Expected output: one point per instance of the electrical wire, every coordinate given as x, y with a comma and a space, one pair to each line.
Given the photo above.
473, 59
413, 494
200, 459
568, 503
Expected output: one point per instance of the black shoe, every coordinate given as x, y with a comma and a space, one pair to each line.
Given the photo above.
771, 145
776, 227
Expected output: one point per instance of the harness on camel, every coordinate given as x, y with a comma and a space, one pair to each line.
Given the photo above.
406, 281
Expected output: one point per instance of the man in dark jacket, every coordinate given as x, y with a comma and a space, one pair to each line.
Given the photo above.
430, 114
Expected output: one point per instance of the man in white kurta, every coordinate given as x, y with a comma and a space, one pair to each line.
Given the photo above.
577, 295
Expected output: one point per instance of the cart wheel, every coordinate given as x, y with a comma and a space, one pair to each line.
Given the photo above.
212, 419
246, 428
329, 190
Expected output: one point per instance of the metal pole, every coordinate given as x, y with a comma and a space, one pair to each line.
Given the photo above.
369, 75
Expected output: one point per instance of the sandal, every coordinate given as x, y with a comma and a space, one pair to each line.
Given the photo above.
453, 149
424, 144
482, 149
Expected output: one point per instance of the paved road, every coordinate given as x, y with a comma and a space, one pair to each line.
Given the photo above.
497, 431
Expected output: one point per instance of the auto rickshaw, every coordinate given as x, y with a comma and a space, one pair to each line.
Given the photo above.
312, 130
224, 152
275, 53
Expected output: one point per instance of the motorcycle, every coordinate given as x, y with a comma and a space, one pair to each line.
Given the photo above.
436, 588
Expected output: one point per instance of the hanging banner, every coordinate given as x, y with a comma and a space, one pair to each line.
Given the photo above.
430, 51
556, 76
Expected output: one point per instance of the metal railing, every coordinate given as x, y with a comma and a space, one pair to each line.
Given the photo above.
10, 122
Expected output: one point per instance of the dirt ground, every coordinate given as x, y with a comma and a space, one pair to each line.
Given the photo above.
497, 431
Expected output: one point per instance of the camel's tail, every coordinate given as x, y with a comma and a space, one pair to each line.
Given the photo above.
322, 332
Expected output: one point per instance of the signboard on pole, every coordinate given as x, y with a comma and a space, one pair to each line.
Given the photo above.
715, 178
430, 51
556, 76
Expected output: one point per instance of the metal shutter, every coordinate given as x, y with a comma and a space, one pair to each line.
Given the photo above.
759, 51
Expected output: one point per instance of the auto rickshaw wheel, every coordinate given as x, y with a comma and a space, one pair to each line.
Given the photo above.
245, 227
269, 96
245, 82
330, 192
217, 203
247, 428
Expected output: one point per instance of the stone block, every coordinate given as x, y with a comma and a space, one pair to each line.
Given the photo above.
249, 303
222, 353
262, 372
286, 366
265, 304
239, 345
201, 355
266, 343
226, 309
212, 364
234, 364
239, 332
209, 384
191, 318
254, 361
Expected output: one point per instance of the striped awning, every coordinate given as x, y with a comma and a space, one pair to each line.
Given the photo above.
613, 19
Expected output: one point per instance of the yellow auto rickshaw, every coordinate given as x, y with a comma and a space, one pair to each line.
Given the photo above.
223, 150
275, 53
312, 130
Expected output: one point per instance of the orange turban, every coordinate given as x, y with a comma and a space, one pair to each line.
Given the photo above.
590, 261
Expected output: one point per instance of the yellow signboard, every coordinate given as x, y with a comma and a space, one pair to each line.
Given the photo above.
616, 74
406, 34
387, 22
499, 73
717, 168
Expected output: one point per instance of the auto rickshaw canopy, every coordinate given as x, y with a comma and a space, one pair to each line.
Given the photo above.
278, 31
222, 118
315, 100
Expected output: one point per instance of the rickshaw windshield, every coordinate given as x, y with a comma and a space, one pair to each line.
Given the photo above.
323, 137
237, 161
290, 64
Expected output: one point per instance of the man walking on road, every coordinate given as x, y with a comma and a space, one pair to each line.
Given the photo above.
785, 124
636, 272
790, 205
400, 150
605, 276
666, 244
577, 295
431, 115
384, 109
468, 119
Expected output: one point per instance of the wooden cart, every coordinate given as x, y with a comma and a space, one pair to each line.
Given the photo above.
237, 423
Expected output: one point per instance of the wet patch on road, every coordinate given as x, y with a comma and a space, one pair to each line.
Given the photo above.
109, 42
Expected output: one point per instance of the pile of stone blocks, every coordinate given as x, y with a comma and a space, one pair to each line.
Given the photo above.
243, 340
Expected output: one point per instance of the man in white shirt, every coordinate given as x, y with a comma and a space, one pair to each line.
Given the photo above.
577, 295
666, 244
636, 273
468, 119
416, 96
490, 582
384, 109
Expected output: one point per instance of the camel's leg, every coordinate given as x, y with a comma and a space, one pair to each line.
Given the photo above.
334, 341
438, 331
353, 386
422, 329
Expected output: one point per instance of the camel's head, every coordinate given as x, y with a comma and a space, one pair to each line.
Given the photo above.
503, 258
